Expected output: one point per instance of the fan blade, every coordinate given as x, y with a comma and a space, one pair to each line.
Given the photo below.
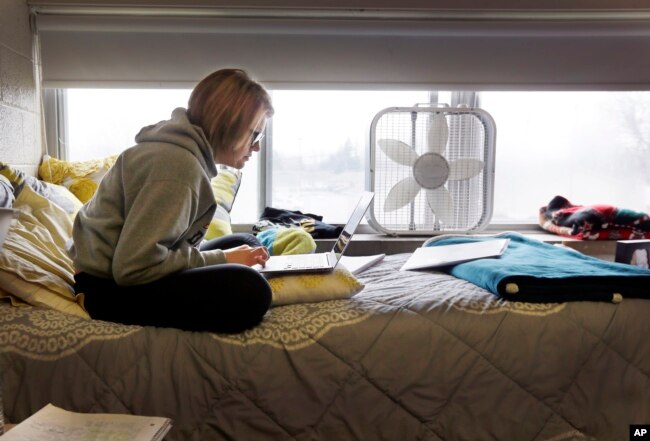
401, 194
464, 168
441, 204
438, 134
398, 151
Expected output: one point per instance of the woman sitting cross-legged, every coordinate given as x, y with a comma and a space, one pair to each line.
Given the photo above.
138, 244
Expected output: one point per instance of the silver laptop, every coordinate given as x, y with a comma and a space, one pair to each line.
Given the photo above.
320, 262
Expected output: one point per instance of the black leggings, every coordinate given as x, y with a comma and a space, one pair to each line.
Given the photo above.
225, 298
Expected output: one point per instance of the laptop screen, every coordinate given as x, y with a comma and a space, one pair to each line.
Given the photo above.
355, 219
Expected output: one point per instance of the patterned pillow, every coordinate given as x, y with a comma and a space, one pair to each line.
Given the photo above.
313, 288
80, 177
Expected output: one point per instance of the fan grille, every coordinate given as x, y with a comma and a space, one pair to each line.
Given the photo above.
470, 136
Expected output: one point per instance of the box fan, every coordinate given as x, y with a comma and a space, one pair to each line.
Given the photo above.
432, 170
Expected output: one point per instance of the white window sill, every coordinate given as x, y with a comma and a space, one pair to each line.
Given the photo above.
367, 243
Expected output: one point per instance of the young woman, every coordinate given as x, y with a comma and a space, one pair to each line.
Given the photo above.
138, 243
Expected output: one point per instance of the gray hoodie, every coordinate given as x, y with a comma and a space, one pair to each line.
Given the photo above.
152, 208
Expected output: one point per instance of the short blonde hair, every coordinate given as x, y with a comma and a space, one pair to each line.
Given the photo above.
224, 104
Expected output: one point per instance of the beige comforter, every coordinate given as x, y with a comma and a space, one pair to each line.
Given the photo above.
414, 356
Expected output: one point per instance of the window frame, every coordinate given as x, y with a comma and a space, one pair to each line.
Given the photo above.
55, 114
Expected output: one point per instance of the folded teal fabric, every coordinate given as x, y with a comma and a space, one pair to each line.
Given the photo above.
533, 271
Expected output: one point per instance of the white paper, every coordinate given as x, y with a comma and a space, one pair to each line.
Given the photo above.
357, 264
52, 423
442, 255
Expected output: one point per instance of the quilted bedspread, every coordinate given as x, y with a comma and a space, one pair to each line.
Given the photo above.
414, 356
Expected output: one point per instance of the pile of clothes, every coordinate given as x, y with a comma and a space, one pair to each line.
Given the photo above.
311, 223
593, 222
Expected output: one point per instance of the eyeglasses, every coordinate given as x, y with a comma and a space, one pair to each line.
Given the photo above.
257, 137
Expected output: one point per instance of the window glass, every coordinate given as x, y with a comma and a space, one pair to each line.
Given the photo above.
104, 122
590, 147
318, 139
320, 147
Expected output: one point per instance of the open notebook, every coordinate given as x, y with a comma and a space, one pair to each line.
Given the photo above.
54, 423
320, 262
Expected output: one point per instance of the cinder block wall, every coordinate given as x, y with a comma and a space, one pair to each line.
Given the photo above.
20, 97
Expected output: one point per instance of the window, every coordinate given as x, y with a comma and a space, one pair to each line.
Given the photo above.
320, 147
102, 122
591, 147
318, 142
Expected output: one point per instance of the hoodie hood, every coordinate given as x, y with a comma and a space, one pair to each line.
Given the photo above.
180, 132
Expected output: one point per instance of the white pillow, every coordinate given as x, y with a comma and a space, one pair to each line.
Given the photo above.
34, 267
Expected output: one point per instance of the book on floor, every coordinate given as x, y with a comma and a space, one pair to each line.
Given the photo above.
55, 424
444, 255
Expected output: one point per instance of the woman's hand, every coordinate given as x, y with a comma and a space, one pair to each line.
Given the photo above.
247, 255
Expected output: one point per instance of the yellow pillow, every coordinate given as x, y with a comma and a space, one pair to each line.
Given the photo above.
80, 177
34, 267
219, 225
313, 288
224, 186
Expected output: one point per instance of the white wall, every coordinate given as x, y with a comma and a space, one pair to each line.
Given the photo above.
20, 114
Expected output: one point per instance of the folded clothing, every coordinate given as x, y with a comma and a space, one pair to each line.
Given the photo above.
311, 223
286, 240
593, 222
533, 271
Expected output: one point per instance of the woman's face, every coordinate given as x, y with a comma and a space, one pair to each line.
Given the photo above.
242, 152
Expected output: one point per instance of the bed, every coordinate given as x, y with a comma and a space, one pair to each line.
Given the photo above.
403, 355
414, 356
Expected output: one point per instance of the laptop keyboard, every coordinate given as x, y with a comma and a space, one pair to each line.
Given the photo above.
307, 261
